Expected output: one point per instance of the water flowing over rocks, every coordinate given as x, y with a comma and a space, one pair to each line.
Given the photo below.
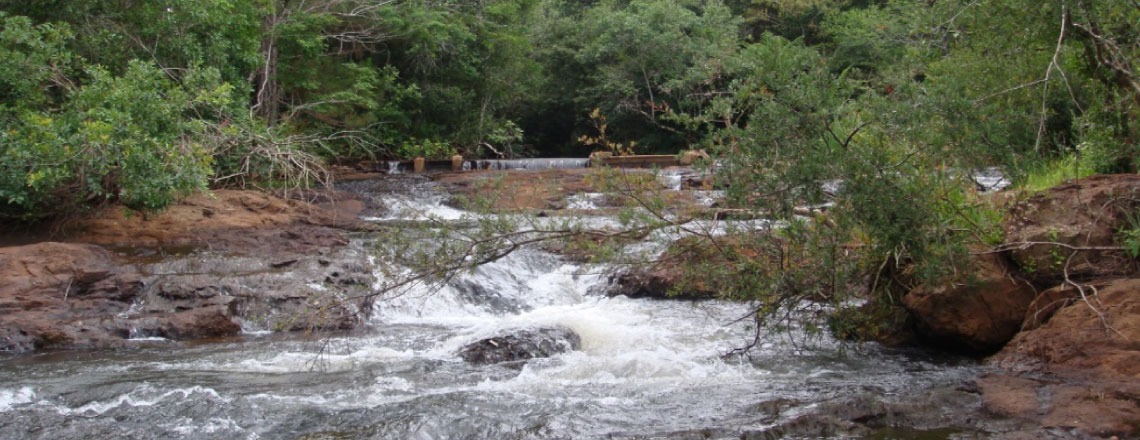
248, 263
521, 345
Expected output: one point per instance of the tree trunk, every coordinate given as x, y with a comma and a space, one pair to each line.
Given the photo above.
267, 96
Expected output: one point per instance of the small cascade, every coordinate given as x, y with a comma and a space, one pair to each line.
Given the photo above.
394, 167
991, 179
531, 164
673, 178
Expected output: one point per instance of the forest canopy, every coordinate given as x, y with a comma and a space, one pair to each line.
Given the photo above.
139, 102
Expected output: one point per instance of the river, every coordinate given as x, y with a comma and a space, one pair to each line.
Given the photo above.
646, 369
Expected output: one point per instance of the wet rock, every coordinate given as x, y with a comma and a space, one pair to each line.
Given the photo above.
1083, 409
519, 189
350, 275
521, 345
208, 322
305, 295
81, 296
681, 272
659, 282
978, 314
198, 323
1084, 213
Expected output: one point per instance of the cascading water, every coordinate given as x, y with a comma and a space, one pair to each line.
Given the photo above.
646, 369
531, 164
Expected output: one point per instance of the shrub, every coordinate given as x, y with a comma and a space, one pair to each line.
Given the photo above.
129, 139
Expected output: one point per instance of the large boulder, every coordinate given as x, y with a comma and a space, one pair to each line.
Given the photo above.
1077, 367
521, 345
704, 268
1096, 337
1084, 213
978, 314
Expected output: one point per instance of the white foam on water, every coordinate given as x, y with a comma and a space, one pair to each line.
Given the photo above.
707, 198
298, 361
525, 279
585, 201
143, 396
629, 346
10, 398
189, 427
149, 339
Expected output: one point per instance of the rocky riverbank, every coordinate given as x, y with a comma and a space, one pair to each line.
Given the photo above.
1055, 310
203, 268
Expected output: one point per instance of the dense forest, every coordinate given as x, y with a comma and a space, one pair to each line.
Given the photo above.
138, 102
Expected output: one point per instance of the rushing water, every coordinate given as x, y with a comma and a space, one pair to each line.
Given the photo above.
646, 369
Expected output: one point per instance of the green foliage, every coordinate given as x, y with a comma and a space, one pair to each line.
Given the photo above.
425, 148
603, 142
1129, 235
223, 34
120, 138
34, 64
1048, 174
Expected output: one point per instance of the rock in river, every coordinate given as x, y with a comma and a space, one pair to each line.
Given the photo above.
521, 345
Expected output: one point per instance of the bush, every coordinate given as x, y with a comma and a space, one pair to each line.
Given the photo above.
128, 139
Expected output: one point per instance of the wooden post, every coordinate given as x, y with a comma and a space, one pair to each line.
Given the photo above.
598, 158
418, 164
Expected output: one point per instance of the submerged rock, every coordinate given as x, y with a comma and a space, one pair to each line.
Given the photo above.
521, 345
